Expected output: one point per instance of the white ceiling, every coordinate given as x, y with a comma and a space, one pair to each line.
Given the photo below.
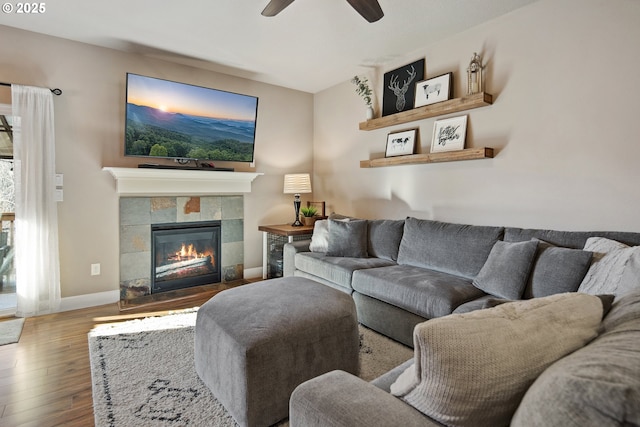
309, 46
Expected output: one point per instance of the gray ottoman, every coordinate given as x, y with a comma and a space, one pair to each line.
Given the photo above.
254, 344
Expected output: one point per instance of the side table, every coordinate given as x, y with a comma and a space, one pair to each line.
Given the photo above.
272, 253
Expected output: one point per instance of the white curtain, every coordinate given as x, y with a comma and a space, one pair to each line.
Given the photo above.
36, 240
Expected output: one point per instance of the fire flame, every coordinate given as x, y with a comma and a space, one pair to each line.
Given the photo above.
188, 252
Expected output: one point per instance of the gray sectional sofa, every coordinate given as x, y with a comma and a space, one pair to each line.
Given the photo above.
409, 271
402, 273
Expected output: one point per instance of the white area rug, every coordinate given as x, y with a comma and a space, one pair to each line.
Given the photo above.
10, 331
143, 372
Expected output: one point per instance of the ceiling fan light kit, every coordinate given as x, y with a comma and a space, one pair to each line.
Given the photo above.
368, 9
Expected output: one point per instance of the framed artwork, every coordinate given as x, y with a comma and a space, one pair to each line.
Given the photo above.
449, 134
401, 143
400, 86
319, 206
434, 90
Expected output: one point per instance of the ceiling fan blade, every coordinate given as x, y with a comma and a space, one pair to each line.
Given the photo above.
275, 7
369, 9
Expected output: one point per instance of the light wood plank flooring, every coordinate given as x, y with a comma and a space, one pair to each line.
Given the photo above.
45, 379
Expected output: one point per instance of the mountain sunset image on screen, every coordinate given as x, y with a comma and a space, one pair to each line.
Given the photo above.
177, 120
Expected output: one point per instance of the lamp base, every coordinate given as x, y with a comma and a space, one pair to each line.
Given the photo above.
296, 205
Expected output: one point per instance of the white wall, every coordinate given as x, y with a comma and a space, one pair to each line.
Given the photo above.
89, 119
564, 126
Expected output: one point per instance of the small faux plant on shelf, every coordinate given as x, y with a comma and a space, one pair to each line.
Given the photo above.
309, 211
363, 89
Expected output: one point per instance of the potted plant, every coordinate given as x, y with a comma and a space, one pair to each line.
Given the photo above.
363, 89
309, 215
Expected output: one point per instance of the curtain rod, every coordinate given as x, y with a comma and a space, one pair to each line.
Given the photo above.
55, 91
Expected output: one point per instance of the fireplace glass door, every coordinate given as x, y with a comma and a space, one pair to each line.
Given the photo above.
185, 255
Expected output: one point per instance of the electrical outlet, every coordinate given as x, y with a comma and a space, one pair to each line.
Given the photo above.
95, 269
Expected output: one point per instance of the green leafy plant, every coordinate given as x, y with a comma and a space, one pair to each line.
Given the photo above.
309, 211
363, 89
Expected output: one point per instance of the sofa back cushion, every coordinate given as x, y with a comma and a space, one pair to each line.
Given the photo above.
450, 248
568, 239
383, 239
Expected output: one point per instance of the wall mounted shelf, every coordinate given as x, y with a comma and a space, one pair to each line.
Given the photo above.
469, 102
414, 159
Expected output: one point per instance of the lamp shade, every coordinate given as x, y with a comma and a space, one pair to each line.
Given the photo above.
296, 183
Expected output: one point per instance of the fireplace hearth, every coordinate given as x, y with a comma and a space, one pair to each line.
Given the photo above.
185, 254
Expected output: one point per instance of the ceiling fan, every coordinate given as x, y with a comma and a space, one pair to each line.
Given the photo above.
369, 9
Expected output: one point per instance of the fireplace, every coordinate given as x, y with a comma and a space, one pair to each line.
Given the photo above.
185, 254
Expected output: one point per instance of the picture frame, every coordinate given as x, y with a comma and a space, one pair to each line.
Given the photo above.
319, 206
431, 91
399, 87
449, 134
401, 143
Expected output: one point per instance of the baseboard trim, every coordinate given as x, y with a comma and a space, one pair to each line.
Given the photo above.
109, 297
89, 300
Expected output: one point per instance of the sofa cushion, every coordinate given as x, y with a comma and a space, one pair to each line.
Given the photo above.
556, 270
348, 238
450, 248
338, 270
473, 369
384, 238
598, 385
426, 293
506, 271
607, 269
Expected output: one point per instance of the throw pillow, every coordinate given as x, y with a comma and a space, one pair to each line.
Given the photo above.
608, 267
630, 280
556, 270
320, 237
473, 369
348, 238
506, 271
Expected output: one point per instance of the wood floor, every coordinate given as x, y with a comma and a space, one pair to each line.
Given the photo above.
45, 379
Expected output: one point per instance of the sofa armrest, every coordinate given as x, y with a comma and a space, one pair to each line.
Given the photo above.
289, 255
341, 399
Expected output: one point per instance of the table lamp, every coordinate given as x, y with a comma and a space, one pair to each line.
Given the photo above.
295, 184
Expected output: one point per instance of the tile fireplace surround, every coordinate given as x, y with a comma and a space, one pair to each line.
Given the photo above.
138, 213
194, 196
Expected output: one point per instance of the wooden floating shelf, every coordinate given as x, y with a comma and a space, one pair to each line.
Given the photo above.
415, 159
469, 102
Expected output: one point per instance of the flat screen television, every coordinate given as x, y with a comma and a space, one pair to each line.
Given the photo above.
166, 119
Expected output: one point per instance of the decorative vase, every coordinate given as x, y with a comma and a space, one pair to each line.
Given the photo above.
369, 112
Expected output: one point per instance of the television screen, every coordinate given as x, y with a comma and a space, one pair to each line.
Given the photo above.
181, 121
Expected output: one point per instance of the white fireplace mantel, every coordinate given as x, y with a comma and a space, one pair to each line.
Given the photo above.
176, 182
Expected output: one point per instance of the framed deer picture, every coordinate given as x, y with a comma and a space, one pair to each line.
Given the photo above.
400, 86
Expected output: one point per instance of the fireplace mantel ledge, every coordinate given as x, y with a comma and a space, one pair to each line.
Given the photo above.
176, 182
